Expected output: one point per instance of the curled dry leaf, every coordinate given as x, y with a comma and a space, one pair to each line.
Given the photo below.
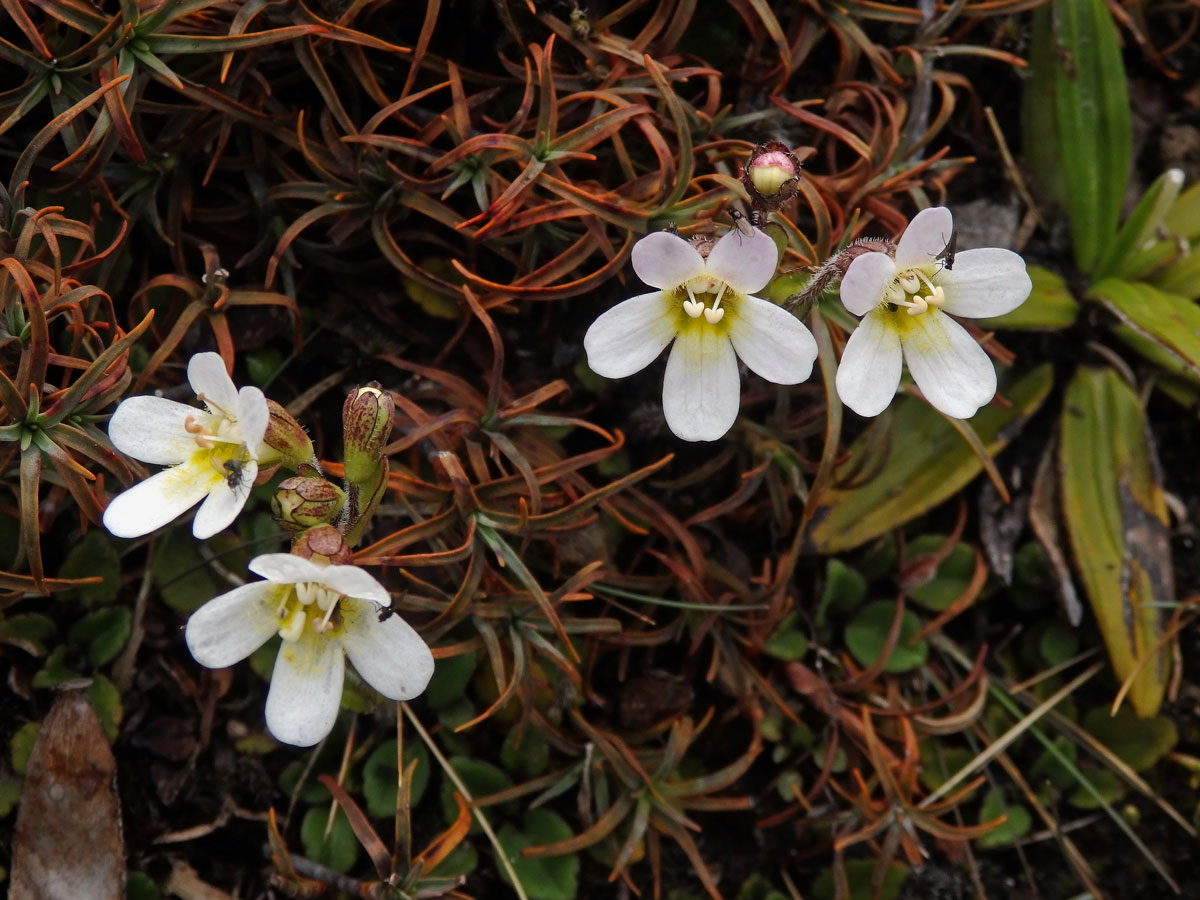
68, 842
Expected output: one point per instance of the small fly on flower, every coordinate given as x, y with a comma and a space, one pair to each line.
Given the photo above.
946, 257
741, 223
385, 613
233, 473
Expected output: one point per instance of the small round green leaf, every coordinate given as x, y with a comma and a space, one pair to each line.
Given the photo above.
867, 634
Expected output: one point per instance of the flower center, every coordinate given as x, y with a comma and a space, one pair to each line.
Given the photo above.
705, 285
308, 603
913, 289
220, 435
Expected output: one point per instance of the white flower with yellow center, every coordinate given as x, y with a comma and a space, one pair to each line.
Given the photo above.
323, 614
904, 303
213, 453
705, 305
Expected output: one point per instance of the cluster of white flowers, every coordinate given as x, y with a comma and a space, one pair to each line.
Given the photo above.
705, 305
323, 613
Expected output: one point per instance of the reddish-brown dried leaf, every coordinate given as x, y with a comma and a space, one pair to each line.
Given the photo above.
68, 841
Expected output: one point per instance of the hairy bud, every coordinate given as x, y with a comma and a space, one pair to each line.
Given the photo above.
367, 423
305, 502
288, 441
324, 544
772, 174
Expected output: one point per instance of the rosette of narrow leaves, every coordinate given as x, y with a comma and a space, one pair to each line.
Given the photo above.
51, 418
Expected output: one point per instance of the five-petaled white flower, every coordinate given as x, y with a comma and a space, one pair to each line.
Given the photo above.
903, 303
323, 614
705, 306
213, 453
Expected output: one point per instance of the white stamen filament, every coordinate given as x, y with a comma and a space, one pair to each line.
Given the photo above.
294, 626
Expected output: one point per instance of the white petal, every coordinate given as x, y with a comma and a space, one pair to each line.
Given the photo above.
665, 260
389, 655
869, 373
865, 282
771, 341
230, 627
252, 416
984, 282
746, 264
223, 503
630, 336
701, 389
306, 689
287, 568
352, 581
159, 499
951, 369
151, 429
207, 376
925, 237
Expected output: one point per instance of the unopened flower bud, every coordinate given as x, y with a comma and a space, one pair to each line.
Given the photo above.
305, 502
769, 172
289, 444
367, 423
323, 544
772, 174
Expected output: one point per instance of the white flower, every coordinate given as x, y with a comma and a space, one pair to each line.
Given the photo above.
903, 303
706, 307
323, 613
213, 453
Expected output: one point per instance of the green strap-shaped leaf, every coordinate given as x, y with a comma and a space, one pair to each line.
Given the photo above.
1116, 517
1077, 121
1168, 320
921, 464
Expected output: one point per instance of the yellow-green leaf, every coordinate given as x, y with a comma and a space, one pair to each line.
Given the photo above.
921, 464
1170, 321
1116, 517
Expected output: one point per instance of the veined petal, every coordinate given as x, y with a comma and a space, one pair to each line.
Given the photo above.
352, 581
287, 568
925, 237
701, 388
951, 369
223, 503
865, 282
389, 655
869, 373
306, 689
665, 260
744, 263
985, 282
252, 416
771, 341
630, 336
228, 628
151, 429
207, 376
157, 500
